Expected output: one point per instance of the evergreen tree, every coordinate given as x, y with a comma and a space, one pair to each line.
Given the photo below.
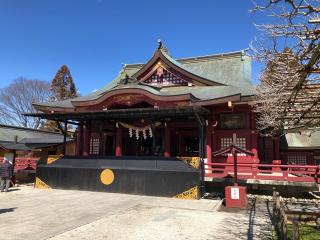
62, 85
63, 88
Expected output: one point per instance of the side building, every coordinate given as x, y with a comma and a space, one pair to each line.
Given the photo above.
24, 147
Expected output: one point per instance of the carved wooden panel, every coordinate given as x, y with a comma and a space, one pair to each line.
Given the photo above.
163, 77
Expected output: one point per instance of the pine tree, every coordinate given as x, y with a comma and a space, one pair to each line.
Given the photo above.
62, 85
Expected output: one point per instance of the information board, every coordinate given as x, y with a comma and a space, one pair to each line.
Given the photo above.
235, 193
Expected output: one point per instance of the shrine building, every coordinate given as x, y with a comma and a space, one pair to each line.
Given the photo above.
134, 133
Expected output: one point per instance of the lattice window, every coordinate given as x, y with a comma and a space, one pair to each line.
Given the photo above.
297, 159
240, 142
94, 146
225, 142
165, 78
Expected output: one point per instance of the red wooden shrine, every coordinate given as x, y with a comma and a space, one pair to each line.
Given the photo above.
143, 112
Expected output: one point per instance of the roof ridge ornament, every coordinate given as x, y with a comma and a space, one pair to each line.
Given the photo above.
159, 43
125, 78
243, 53
162, 47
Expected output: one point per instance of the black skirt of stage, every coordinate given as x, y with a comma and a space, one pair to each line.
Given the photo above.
154, 176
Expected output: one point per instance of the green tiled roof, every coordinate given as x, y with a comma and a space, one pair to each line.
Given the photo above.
231, 70
58, 104
8, 133
234, 71
28, 138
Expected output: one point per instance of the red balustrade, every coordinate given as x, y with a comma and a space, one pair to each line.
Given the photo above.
23, 163
292, 173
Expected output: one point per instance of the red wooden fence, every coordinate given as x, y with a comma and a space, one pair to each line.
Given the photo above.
24, 163
292, 173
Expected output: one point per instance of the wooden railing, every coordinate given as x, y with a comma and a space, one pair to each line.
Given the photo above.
25, 163
282, 217
294, 173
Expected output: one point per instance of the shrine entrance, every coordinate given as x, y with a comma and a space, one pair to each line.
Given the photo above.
108, 145
141, 139
143, 145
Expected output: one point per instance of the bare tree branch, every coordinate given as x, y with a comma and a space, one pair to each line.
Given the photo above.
290, 52
17, 98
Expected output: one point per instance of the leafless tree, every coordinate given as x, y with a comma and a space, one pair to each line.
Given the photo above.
17, 98
289, 91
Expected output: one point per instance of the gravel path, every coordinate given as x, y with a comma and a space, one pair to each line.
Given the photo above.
29, 213
150, 222
253, 223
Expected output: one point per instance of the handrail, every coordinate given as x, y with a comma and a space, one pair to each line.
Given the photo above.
264, 165
260, 171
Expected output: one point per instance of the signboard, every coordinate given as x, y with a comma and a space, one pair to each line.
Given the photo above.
235, 193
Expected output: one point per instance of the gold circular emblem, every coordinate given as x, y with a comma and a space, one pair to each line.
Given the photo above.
107, 176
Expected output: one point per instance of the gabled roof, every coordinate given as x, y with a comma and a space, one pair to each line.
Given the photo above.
28, 135
14, 146
221, 75
161, 55
28, 138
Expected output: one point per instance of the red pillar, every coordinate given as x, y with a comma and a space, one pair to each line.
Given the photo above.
214, 146
254, 137
118, 142
276, 149
254, 143
209, 143
167, 143
85, 141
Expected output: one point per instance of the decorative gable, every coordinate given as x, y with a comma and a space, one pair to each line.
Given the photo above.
163, 77
162, 70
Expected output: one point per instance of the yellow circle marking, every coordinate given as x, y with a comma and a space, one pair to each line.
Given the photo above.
107, 176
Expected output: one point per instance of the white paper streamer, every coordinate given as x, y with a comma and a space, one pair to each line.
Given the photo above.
144, 132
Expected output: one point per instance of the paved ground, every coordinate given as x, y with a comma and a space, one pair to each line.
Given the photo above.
28, 213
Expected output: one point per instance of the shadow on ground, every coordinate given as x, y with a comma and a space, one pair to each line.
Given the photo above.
13, 189
6, 210
251, 219
251, 223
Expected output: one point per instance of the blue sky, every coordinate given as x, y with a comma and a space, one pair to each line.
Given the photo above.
93, 37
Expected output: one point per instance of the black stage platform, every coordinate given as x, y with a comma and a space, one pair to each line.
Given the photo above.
156, 176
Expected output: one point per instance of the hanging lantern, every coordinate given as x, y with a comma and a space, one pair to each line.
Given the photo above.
130, 132
150, 132
137, 134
